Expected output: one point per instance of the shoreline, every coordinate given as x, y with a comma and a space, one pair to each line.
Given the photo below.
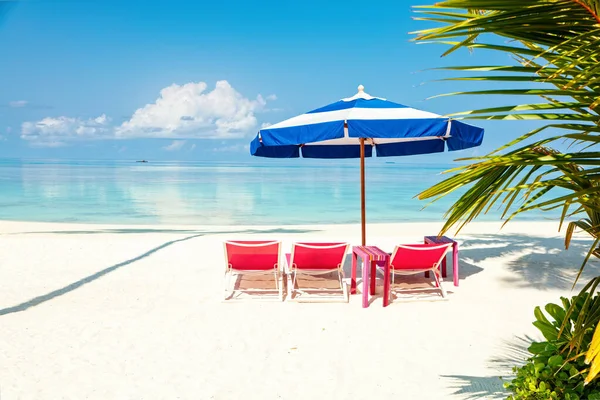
489, 226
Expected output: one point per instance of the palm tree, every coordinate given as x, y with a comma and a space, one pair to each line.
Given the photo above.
556, 48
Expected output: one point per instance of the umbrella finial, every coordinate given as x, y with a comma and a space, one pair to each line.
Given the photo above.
360, 95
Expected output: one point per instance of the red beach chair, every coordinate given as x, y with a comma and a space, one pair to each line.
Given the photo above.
252, 258
316, 259
412, 259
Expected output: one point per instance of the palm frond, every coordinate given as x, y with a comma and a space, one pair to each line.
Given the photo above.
556, 47
556, 43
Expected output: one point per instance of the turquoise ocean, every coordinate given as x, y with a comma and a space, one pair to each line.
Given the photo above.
265, 192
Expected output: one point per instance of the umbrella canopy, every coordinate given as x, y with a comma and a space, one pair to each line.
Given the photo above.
352, 127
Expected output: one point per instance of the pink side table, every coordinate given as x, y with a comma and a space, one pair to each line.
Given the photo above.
445, 239
371, 256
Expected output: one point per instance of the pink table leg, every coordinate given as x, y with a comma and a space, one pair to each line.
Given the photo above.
373, 273
353, 278
455, 262
365, 280
386, 283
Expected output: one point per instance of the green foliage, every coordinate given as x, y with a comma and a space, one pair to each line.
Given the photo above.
552, 379
556, 46
557, 368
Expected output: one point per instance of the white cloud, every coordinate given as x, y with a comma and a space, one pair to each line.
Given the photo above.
181, 112
50, 130
175, 145
189, 111
18, 103
265, 125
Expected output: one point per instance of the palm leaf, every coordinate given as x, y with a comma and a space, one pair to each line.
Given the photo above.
559, 46
555, 43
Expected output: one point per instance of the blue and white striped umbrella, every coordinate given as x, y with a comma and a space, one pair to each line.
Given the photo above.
336, 130
351, 127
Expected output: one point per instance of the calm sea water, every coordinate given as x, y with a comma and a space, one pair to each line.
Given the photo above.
266, 192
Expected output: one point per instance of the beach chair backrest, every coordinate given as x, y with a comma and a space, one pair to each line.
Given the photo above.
418, 256
252, 255
318, 255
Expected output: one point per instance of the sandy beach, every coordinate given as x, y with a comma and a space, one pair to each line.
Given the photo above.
136, 312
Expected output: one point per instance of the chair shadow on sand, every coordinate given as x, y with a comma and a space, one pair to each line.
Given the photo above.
254, 287
262, 287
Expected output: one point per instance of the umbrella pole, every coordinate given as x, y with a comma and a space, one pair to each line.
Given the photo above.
362, 192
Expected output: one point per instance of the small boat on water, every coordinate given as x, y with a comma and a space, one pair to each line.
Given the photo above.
142, 161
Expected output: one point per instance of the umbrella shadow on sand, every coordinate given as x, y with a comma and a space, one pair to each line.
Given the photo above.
97, 275
541, 263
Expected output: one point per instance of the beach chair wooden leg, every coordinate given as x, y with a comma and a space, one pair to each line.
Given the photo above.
290, 288
343, 285
280, 278
438, 284
229, 290
345, 291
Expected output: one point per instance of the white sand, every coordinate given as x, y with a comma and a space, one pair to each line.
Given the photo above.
117, 312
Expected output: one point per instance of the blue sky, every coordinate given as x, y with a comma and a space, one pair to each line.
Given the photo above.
76, 74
